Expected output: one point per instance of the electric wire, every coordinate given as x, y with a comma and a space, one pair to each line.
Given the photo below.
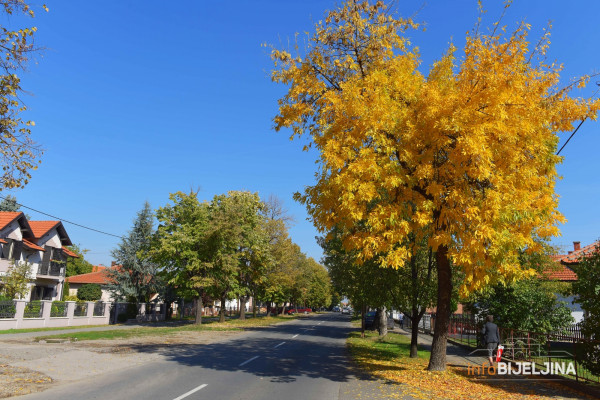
64, 220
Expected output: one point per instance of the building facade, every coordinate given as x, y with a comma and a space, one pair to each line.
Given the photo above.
41, 244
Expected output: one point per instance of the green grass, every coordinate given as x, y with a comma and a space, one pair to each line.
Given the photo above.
392, 346
8, 331
211, 324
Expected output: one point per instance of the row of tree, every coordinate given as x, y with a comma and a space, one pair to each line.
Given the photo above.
234, 247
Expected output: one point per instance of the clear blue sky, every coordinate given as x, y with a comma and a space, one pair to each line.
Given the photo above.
134, 100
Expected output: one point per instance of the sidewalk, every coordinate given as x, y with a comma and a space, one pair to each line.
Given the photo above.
461, 357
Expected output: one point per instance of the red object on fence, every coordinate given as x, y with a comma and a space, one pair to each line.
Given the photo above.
499, 353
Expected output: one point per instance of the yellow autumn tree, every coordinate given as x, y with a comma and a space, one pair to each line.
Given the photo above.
463, 155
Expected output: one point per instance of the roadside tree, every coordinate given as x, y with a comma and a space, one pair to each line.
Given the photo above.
18, 152
136, 276
440, 155
15, 283
587, 292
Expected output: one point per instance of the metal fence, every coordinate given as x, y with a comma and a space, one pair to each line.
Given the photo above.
565, 345
7, 309
99, 309
80, 309
58, 309
33, 309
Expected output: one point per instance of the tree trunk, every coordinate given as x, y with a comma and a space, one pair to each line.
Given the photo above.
253, 306
269, 309
199, 306
282, 310
223, 310
243, 308
382, 328
415, 318
363, 311
437, 360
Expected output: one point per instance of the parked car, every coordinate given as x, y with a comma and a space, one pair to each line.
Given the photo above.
370, 319
346, 310
336, 309
301, 310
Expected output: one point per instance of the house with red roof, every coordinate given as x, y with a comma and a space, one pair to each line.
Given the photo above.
42, 245
98, 276
565, 272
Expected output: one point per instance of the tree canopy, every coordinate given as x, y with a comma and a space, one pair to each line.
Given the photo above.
463, 155
19, 154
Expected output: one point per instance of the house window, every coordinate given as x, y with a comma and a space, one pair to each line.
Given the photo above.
7, 249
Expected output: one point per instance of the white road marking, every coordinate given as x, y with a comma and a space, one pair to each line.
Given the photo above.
247, 361
279, 345
293, 337
191, 392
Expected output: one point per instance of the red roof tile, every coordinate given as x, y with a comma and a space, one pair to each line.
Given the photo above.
574, 257
32, 246
562, 273
98, 268
69, 252
40, 228
99, 277
6, 217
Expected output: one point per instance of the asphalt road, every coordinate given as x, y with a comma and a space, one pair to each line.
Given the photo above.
302, 359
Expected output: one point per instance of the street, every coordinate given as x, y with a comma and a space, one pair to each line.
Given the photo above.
303, 359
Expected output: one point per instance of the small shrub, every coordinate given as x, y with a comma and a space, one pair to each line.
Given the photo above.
132, 310
70, 298
89, 292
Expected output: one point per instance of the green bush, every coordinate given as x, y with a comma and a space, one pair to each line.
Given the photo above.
89, 292
122, 317
70, 298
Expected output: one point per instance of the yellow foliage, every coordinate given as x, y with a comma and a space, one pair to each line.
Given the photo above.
464, 155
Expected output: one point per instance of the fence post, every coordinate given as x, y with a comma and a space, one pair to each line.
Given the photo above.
107, 305
70, 311
90, 311
19, 311
46, 310
575, 360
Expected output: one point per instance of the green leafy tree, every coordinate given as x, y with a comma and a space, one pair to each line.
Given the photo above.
9, 203
15, 283
89, 292
180, 247
242, 213
136, 276
528, 305
78, 265
587, 292
18, 152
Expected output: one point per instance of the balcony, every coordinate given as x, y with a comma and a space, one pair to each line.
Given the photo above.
53, 269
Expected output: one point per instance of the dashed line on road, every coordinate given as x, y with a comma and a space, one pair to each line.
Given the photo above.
247, 361
191, 392
293, 337
279, 345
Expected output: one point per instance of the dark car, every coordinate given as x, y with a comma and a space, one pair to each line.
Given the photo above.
370, 319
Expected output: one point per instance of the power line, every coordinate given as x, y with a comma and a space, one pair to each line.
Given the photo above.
578, 126
64, 220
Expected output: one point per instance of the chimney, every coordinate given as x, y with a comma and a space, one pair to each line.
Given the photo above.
576, 246
113, 263
570, 252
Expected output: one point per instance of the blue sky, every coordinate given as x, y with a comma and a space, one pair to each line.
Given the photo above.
134, 100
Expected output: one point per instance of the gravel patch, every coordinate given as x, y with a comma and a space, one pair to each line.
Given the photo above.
28, 367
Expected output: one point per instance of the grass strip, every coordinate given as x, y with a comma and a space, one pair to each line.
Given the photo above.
210, 325
9, 331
